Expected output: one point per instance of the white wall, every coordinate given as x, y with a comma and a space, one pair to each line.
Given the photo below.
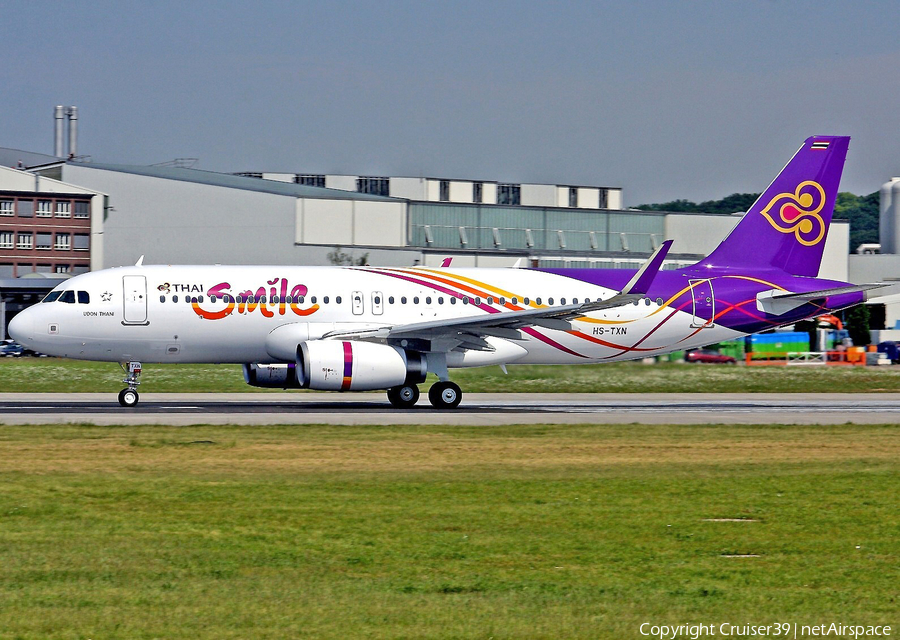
344, 183
279, 177
539, 195
409, 188
460, 191
351, 223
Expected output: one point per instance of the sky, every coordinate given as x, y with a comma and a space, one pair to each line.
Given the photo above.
667, 100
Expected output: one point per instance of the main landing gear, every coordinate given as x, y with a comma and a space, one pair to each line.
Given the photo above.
129, 397
442, 395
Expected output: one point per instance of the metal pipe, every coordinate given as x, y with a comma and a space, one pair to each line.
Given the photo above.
58, 114
72, 112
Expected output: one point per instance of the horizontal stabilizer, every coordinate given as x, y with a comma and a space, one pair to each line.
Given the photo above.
777, 302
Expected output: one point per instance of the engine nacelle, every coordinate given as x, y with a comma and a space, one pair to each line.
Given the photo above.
353, 365
271, 376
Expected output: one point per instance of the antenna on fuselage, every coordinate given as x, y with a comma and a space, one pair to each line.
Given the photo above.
140, 262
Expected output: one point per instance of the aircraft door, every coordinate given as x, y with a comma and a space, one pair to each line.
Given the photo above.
134, 294
377, 303
704, 303
356, 298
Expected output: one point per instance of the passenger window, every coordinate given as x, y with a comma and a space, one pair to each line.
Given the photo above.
428, 300
325, 300
337, 300
174, 298
52, 296
550, 301
574, 300
162, 298
391, 300
659, 301
416, 300
477, 299
465, 299
200, 299
313, 300
68, 297
490, 299
502, 300
403, 300
515, 300
302, 299
452, 300
561, 301
440, 300
526, 301
537, 300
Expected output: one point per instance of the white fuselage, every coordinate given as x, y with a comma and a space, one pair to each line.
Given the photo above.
221, 314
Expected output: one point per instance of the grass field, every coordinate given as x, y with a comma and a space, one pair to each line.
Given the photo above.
443, 532
53, 374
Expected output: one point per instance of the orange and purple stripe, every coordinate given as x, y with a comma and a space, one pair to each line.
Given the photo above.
348, 366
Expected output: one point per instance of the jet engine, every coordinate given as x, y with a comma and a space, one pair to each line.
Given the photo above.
353, 365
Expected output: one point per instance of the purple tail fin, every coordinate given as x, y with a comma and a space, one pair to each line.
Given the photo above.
787, 226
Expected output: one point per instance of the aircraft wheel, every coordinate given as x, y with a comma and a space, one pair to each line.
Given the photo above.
128, 397
404, 396
444, 395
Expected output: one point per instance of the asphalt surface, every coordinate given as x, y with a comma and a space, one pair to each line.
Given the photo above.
476, 409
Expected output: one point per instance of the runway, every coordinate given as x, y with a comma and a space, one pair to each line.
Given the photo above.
476, 409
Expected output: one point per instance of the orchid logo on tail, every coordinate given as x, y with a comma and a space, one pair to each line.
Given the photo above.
798, 213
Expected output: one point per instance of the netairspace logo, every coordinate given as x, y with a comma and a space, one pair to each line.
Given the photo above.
782, 629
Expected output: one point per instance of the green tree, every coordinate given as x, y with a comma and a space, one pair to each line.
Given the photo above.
340, 258
857, 325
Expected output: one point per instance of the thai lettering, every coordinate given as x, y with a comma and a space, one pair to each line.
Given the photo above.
267, 301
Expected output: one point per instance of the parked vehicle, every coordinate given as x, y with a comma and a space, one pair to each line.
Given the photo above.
11, 349
709, 356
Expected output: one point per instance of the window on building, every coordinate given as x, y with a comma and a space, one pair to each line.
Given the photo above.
310, 180
63, 268
7, 270
44, 208
25, 208
46, 268
63, 241
444, 195
82, 210
604, 198
375, 186
80, 269
44, 241
509, 194
63, 209
82, 242
573, 197
6, 240
25, 240
7, 208
477, 192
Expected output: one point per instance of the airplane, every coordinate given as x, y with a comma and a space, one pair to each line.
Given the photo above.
365, 328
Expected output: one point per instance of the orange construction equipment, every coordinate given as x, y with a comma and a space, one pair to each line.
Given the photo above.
829, 319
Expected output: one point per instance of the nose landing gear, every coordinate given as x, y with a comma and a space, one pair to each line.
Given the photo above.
129, 397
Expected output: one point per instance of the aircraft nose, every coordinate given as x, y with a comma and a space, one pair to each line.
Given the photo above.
21, 328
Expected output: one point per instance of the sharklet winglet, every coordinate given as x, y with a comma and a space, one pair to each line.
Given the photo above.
642, 280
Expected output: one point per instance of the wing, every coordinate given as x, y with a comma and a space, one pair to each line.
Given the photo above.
469, 332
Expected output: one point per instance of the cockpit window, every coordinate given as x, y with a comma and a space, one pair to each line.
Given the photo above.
52, 296
84, 297
67, 297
